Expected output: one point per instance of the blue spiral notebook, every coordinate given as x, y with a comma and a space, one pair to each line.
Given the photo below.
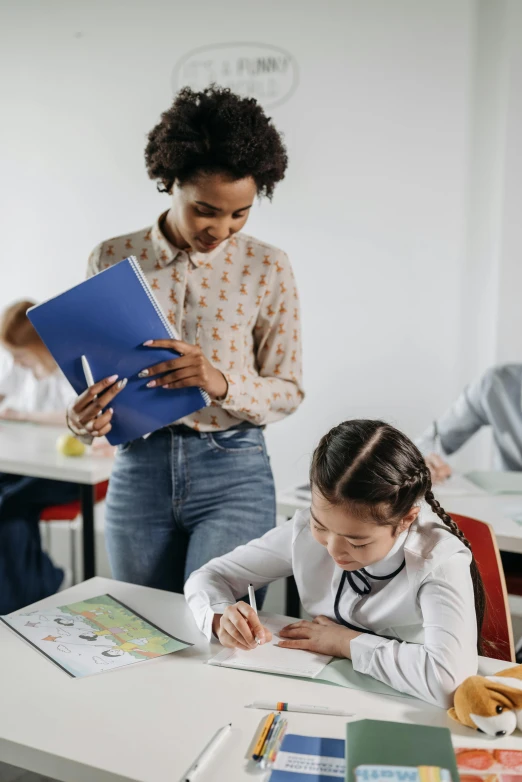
107, 318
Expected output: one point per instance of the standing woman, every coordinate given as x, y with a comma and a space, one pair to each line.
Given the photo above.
203, 485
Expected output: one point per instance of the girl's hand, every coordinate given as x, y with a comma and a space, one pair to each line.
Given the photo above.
13, 415
439, 469
83, 416
192, 369
102, 448
239, 626
321, 636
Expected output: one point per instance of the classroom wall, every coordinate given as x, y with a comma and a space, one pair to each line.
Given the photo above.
379, 210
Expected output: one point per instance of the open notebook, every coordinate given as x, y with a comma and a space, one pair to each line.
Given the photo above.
270, 658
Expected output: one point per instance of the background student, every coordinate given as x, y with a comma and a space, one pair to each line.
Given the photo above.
197, 489
26, 572
494, 399
394, 590
32, 388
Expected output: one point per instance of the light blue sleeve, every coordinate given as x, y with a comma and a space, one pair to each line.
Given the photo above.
463, 419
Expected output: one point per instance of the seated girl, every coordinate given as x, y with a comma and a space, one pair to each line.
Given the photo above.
33, 389
391, 587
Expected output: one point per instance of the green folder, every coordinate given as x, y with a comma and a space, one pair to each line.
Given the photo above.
376, 742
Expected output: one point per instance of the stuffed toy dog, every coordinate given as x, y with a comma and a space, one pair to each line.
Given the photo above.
490, 704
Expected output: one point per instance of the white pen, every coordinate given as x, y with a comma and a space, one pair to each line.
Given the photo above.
302, 707
253, 604
204, 756
87, 371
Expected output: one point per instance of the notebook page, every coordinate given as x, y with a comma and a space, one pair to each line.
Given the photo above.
270, 658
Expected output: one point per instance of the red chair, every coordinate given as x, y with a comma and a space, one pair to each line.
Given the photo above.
497, 631
70, 512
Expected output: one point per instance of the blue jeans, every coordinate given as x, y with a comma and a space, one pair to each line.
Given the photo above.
180, 498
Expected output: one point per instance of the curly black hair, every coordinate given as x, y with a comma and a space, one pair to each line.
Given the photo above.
215, 131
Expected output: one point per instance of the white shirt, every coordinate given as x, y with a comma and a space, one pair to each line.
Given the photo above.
21, 391
428, 607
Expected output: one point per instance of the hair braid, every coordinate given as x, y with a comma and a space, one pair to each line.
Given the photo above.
478, 586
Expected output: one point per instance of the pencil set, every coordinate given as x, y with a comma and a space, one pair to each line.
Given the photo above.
269, 741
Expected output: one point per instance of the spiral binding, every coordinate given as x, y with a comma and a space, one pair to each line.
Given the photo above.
148, 290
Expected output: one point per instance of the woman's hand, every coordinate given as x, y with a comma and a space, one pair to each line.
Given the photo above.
439, 469
239, 627
321, 636
86, 415
192, 369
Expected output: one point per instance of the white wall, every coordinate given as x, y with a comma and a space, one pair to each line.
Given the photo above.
375, 211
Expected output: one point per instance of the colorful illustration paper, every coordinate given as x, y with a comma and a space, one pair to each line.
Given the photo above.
93, 636
489, 765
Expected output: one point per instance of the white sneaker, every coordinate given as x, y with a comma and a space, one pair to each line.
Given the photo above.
67, 579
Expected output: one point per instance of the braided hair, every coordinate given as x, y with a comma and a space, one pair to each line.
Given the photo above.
372, 467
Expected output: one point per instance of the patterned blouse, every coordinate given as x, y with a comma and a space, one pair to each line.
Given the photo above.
239, 303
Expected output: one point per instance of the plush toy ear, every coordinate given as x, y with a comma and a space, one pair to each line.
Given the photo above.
453, 714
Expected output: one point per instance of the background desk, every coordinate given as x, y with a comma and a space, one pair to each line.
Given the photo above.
29, 449
147, 723
497, 510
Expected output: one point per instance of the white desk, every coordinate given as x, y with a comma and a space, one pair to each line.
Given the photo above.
148, 722
29, 449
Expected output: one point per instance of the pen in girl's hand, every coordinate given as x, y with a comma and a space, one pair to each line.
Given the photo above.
253, 604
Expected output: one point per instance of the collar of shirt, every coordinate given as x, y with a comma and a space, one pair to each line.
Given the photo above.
393, 559
166, 253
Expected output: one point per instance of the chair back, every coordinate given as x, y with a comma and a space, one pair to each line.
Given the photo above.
497, 632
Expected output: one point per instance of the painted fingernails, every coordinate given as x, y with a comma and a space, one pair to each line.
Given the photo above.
151, 384
112, 378
144, 373
122, 383
148, 342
